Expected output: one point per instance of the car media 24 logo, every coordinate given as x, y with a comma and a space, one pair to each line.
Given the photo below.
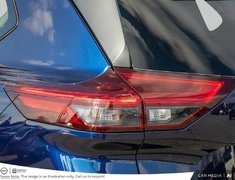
3, 170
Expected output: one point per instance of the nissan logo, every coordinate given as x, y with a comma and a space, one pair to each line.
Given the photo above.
3, 170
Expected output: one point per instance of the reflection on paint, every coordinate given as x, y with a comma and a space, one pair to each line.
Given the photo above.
52, 43
172, 36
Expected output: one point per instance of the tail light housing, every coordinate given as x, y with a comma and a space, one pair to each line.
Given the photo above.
174, 101
123, 100
104, 104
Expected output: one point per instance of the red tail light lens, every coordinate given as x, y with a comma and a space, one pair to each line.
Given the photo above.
131, 101
105, 104
173, 101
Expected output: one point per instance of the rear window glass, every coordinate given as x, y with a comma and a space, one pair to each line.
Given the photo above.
7, 17
179, 36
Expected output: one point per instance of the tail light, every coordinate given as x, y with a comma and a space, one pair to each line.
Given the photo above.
128, 101
105, 104
174, 101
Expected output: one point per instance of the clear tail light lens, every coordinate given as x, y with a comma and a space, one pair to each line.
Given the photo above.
174, 101
104, 104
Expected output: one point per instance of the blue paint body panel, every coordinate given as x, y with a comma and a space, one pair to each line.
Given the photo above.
52, 44
11, 119
55, 54
43, 146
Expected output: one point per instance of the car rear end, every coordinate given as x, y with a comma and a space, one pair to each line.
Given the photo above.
118, 87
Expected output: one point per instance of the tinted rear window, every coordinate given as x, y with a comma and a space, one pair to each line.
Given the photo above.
172, 36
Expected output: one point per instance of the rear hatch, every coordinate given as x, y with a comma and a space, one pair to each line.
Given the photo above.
182, 55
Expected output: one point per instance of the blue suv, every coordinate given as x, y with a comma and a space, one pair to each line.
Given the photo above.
117, 86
